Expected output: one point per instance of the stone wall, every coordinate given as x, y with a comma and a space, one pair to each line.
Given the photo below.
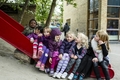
77, 16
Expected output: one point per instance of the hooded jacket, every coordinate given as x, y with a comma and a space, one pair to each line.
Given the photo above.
53, 45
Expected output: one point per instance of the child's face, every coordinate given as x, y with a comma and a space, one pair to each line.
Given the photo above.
32, 24
37, 31
96, 37
46, 33
78, 39
69, 37
57, 38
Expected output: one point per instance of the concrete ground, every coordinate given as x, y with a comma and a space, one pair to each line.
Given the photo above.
13, 69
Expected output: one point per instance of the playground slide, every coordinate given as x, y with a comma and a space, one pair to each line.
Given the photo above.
11, 21
10, 31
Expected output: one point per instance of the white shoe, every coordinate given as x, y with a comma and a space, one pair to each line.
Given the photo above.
55, 74
64, 75
70, 76
59, 75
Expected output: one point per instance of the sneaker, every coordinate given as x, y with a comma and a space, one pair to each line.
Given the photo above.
81, 78
64, 75
51, 73
55, 74
70, 76
42, 67
47, 70
75, 77
59, 75
38, 64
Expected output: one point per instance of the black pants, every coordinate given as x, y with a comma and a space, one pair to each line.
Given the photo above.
104, 66
85, 67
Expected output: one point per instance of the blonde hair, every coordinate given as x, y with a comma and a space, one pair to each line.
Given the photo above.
70, 33
84, 39
47, 28
104, 37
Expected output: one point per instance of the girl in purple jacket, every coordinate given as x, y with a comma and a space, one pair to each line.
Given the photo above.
46, 37
37, 39
54, 46
65, 50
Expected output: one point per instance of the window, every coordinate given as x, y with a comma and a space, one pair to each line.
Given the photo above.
114, 2
113, 12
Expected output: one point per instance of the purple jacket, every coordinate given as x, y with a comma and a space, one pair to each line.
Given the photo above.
66, 47
46, 41
35, 36
53, 45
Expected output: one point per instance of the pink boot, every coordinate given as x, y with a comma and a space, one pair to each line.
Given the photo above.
38, 64
42, 67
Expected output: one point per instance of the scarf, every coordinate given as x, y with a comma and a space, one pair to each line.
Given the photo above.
98, 53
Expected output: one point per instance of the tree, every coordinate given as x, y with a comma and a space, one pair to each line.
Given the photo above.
23, 10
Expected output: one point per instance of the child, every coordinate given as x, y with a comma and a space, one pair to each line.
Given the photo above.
41, 63
46, 36
85, 67
65, 50
37, 39
54, 45
100, 46
30, 29
78, 51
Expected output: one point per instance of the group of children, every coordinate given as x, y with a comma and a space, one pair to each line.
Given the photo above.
72, 57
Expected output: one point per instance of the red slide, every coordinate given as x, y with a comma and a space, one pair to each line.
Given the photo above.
10, 31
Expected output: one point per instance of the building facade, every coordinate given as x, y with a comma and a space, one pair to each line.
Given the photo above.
92, 15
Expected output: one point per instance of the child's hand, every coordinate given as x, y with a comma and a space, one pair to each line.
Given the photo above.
95, 60
50, 60
72, 56
100, 42
75, 57
60, 56
40, 35
31, 40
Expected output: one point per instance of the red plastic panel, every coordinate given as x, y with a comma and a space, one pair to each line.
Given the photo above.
111, 72
11, 21
13, 36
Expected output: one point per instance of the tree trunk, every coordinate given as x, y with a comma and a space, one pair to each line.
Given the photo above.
23, 10
50, 13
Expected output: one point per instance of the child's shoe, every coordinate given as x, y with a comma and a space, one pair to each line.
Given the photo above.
38, 64
55, 74
64, 75
75, 77
70, 76
51, 73
42, 67
59, 75
47, 70
81, 78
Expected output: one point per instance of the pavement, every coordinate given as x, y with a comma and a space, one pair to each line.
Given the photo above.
13, 69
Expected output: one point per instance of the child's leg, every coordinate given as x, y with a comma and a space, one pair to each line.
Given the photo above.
52, 67
105, 70
60, 64
54, 62
40, 48
65, 63
78, 61
44, 56
70, 64
35, 44
96, 70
